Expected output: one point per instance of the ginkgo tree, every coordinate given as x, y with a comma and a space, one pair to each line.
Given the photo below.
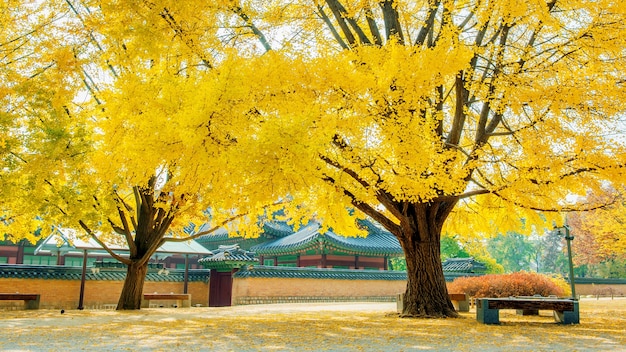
598, 235
470, 116
102, 134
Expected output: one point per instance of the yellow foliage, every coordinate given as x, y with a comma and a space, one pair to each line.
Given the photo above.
238, 105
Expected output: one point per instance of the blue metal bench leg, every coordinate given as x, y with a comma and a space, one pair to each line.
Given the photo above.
486, 315
568, 317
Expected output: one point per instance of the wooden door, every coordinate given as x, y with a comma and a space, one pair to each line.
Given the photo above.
220, 289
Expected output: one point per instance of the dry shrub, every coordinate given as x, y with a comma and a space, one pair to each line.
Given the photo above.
505, 285
563, 284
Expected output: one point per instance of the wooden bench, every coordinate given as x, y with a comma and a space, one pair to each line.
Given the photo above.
460, 301
565, 310
182, 299
31, 300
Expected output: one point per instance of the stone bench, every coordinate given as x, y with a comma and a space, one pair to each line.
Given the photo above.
182, 299
565, 310
460, 301
31, 300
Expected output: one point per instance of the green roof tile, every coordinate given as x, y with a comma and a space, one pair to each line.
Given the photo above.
377, 243
228, 257
464, 265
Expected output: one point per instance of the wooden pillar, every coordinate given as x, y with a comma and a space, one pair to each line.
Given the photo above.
20, 254
276, 261
186, 276
323, 263
356, 261
60, 259
298, 260
261, 260
385, 267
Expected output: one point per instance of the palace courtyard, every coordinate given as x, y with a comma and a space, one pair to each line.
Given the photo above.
298, 327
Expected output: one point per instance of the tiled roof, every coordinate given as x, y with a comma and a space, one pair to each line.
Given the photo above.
378, 242
463, 265
229, 253
277, 229
218, 235
68, 240
101, 274
228, 257
271, 230
202, 275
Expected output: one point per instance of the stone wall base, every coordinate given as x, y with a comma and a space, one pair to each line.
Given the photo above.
311, 299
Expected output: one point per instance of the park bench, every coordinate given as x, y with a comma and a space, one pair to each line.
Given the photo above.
460, 301
182, 299
31, 300
488, 309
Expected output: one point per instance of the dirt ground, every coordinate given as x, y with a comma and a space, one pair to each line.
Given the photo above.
307, 327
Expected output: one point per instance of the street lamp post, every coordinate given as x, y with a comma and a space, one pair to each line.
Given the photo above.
568, 239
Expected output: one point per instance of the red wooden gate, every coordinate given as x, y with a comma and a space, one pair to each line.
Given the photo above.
220, 288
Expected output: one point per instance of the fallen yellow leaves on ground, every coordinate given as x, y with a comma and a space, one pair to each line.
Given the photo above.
319, 327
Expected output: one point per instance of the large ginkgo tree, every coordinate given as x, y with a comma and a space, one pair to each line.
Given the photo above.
473, 117
125, 140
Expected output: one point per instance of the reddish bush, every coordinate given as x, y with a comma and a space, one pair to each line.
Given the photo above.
506, 285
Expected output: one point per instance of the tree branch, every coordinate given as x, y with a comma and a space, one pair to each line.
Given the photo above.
103, 245
430, 22
341, 21
239, 11
332, 28
179, 31
369, 16
393, 29
365, 207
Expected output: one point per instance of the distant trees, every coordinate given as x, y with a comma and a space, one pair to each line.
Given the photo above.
517, 252
547, 254
599, 246
450, 248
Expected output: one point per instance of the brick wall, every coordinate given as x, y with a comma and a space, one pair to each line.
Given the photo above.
277, 290
600, 289
57, 294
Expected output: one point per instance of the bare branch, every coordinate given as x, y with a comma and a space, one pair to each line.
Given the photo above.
430, 22
393, 29
459, 114
369, 16
239, 11
103, 245
332, 28
335, 8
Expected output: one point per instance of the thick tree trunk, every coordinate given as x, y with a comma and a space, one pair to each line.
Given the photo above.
420, 235
426, 293
132, 292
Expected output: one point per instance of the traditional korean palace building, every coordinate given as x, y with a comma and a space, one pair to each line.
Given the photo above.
311, 246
